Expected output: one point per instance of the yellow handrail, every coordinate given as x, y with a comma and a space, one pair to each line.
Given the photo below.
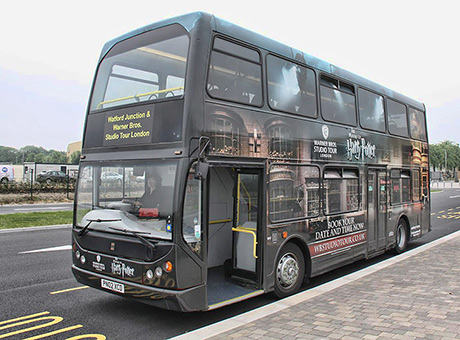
248, 231
220, 221
139, 95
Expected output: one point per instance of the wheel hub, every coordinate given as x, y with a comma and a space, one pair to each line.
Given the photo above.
401, 236
287, 270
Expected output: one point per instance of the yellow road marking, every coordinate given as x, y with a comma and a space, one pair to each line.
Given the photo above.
55, 320
86, 336
24, 317
54, 332
68, 290
37, 317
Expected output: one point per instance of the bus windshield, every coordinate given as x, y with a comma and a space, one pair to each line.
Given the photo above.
146, 67
127, 196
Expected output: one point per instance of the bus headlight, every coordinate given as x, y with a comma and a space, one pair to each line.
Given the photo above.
149, 274
158, 271
77, 254
82, 259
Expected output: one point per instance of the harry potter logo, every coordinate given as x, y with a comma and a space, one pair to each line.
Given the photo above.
119, 268
359, 149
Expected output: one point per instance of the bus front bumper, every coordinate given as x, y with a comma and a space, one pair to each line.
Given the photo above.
187, 300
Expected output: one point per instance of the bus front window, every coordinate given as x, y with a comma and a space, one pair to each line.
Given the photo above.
146, 67
137, 197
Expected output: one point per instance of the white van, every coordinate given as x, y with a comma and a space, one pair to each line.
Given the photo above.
6, 174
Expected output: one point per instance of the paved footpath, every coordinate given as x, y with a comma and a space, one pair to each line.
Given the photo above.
412, 296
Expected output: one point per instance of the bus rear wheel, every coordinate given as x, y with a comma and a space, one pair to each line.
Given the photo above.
402, 237
289, 271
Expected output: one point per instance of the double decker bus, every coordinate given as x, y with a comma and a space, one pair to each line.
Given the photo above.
218, 165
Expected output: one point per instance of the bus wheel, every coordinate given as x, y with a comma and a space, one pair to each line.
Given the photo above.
290, 270
402, 237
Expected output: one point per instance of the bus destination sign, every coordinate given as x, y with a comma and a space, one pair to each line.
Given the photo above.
128, 126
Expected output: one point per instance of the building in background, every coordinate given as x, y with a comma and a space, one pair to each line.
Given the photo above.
73, 147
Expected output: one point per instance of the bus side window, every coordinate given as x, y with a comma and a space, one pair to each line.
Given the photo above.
235, 73
371, 110
337, 101
417, 124
397, 119
340, 190
291, 87
294, 192
400, 186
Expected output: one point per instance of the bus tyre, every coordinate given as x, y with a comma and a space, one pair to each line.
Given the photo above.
402, 237
289, 270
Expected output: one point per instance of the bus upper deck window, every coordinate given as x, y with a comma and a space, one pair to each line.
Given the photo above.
146, 67
397, 119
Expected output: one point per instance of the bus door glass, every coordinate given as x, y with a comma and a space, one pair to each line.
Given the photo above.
245, 229
376, 209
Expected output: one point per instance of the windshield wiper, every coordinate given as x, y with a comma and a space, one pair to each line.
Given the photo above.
138, 235
84, 230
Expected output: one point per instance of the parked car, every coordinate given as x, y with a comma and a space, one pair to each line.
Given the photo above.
51, 177
6, 174
109, 176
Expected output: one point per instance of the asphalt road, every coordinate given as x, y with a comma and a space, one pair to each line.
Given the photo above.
33, 289
24, 208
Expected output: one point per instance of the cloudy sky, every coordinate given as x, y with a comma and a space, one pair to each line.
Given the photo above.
49, 50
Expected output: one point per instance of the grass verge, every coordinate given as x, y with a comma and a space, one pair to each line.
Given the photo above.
35, 219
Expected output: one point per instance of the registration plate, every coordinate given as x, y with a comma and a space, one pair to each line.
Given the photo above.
113, 286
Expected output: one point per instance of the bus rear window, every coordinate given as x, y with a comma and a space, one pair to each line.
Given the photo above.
147, 67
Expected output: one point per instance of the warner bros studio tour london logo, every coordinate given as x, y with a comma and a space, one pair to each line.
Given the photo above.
325, 130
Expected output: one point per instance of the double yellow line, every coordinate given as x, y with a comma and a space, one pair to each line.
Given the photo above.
37, 317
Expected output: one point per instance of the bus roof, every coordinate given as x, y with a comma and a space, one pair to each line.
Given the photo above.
192, 20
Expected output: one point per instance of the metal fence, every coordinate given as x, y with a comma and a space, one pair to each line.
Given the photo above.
33, 190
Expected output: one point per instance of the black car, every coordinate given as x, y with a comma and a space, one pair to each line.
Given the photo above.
52, 177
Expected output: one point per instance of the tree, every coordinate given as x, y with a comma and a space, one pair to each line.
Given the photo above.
31, 153
40, 158
436, 157
59, 157
445, 152
75, 157
9, 155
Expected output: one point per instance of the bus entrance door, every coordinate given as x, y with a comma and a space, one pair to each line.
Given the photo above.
376, 209
233, 235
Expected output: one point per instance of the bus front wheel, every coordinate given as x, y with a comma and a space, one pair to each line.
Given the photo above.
402, 237
289, 271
